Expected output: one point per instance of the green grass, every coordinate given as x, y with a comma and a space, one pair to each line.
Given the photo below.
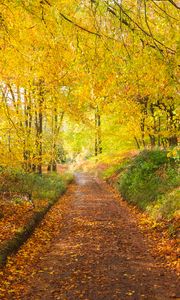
46, 186
114, 169
166, 207
148, 180
148, 176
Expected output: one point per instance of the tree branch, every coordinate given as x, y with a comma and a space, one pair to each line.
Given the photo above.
79, 26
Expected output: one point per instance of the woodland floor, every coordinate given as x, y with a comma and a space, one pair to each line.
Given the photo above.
95, 252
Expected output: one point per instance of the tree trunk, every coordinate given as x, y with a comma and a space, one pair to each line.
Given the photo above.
39, 127
137, 142
98, 141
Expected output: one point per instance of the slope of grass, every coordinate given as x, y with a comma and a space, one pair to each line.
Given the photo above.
148, 177
150, 181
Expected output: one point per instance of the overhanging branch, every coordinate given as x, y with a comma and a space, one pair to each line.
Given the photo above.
79, 26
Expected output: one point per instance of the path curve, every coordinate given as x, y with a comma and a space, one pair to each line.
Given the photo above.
100, 253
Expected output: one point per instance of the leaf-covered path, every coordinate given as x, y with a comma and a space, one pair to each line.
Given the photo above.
98, 254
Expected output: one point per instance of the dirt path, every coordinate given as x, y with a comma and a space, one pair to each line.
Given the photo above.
99, 254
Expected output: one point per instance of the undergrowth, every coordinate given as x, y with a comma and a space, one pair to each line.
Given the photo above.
114, 169
19, 185
150, 181
148, 177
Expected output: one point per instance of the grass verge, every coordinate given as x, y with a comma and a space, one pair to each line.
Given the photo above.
31, 194
151, 182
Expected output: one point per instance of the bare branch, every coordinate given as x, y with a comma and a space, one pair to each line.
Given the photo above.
79, 26
174, 4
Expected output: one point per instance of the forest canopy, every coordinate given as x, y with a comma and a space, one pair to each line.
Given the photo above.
92, 76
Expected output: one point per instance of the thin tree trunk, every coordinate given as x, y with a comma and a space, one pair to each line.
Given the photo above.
98, 140
137, 142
